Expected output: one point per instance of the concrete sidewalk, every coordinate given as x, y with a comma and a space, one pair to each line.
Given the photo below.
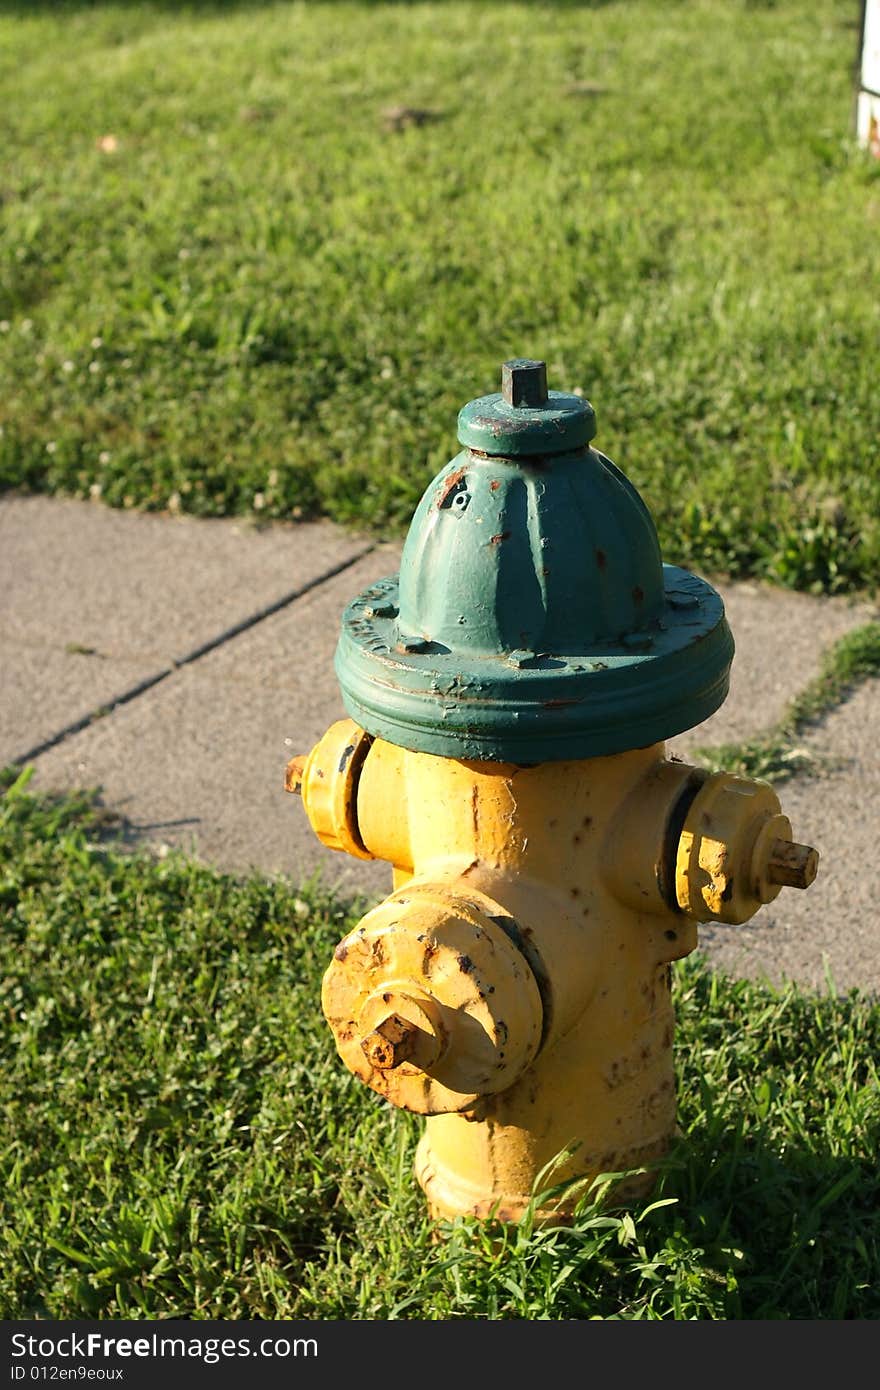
177, 664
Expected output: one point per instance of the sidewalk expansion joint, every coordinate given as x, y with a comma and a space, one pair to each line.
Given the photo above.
177, 663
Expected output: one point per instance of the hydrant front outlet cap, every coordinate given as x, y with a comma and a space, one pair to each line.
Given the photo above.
533, 618
431, 1002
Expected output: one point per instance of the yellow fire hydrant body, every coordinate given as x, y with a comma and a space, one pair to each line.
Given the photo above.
514, 988
524, 953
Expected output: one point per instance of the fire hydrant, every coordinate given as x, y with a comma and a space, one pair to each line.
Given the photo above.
510, 693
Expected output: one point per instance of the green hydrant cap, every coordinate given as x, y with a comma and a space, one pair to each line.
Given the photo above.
533, 618
526, 419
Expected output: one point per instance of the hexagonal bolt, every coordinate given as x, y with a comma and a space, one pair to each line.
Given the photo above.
524, 382
293, 773
392, 1042
792, 865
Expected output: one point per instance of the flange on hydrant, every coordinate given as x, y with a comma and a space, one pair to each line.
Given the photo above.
509, 695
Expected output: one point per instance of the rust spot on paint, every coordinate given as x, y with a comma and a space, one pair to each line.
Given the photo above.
293, 774
587, 821
557, 704
601, 559
671, 935
575, 892
501, 1214
450, 485
465, 964
341, 951
494, 485
501, 536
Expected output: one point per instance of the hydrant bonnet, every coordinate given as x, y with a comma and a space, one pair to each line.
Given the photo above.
533, 618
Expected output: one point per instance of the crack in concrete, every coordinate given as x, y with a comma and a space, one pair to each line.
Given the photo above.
177, 663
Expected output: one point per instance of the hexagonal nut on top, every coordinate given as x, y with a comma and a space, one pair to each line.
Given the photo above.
327, 781
430, 1001
524, 383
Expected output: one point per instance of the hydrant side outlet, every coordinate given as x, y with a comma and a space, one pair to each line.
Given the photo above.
509, 694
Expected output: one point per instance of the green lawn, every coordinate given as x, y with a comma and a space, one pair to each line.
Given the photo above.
178, 1137
256, 298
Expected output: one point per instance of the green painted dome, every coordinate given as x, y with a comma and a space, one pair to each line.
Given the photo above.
533, 617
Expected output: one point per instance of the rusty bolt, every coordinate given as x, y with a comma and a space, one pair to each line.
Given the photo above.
791, 864
293, 773
392, 1042
524, 382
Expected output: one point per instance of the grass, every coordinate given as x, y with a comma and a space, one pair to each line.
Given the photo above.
178, 1138
227, 287
779, 753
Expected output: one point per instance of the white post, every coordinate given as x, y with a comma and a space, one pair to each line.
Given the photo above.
868, 99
